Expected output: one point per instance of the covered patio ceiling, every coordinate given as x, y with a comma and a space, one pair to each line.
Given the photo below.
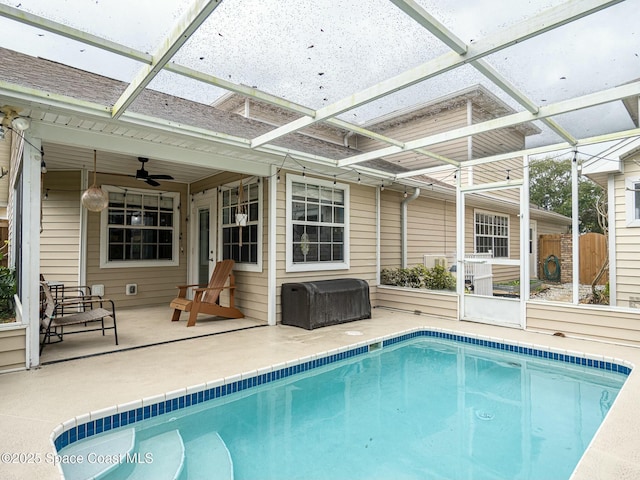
568, 67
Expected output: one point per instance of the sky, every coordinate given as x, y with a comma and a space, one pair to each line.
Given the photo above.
316, 53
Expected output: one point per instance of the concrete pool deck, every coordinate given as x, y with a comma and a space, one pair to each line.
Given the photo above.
34, 402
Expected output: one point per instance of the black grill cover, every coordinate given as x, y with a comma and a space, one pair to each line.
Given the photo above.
325, 302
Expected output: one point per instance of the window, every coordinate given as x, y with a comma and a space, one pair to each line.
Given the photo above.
492, 234
317, 224
140, 228
632, 200
242, 244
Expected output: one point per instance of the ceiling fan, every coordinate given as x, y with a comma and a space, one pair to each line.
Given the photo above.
145, 176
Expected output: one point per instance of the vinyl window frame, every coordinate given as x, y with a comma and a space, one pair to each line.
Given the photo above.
317, 266
175, 228
242, 266
493, 234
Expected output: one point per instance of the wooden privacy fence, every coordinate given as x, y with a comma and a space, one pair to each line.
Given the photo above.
593, 253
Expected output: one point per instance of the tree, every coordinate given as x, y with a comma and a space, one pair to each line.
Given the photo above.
550, 188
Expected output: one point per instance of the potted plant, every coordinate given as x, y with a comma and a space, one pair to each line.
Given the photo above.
241, 212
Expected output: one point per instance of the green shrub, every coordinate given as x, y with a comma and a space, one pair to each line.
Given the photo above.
7, 291
436, 278
7, 288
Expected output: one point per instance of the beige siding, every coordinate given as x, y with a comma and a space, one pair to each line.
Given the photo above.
156, 285
431, 228
546, 227
439, 304
498, 172
421, 127
251, 294
495, 143
627, 241
277, 116
361, 237
611, 325
12, 349
390, 253
60, 237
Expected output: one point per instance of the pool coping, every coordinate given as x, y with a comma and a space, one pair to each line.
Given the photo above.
106, 419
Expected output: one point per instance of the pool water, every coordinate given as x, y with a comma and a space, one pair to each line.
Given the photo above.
420, 409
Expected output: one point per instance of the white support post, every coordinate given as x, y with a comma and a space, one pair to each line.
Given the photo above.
82, 265
271, 248
525, 262
378, 265
575, 229
460, 244
29, 263
611, 217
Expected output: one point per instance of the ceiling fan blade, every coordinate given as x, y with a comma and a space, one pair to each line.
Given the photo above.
161, 177
152, 182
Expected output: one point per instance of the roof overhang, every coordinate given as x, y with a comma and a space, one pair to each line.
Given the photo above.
611, 160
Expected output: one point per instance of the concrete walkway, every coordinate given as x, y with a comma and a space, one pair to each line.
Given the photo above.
34, 402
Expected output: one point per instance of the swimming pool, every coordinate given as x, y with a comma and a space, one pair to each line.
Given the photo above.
429, 404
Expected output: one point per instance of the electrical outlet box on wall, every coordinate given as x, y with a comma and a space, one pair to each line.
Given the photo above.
131, 289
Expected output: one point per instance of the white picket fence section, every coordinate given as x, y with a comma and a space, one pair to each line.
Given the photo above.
478, 273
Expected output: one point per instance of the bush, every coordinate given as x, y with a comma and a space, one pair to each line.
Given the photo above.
7, 291
436, 278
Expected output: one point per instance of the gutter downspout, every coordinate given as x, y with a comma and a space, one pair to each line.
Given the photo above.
345, 140
403, 225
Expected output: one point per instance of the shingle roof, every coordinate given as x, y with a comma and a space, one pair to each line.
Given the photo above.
48, 76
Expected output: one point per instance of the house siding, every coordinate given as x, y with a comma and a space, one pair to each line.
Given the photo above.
156, 285
60, 237
419, 127
362, 242
278, 116
627, 241
12, 348
495, 143
437, 304
606, 324
431, 228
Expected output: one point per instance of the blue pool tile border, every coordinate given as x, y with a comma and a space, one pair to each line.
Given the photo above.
162, 407
522, 350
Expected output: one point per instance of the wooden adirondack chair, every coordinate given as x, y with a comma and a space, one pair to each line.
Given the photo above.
207, 297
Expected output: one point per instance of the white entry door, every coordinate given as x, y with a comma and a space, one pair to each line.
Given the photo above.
202, 245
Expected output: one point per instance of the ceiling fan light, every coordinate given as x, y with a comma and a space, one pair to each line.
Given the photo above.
95, 199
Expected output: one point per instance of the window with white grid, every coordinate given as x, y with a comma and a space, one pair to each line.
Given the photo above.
140, 228
317, 224
492, 234
243, 245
